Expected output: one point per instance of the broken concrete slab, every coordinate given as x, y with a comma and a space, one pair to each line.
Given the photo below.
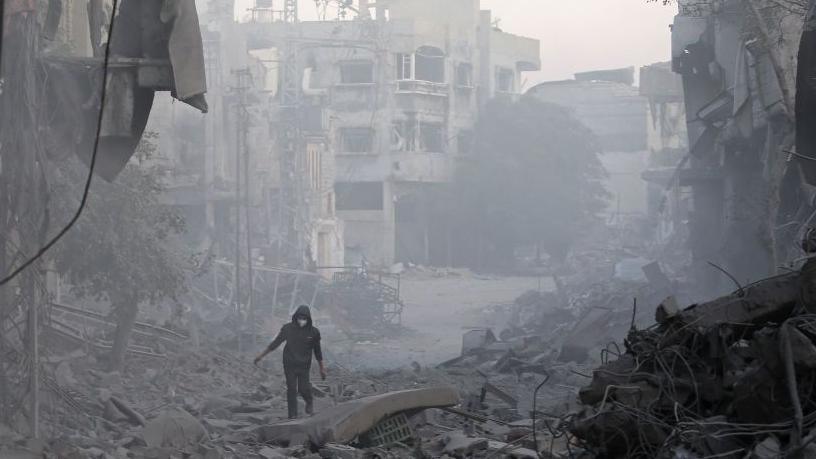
344, 422
272, 453
477, 339
761, 302
458, 444
500, 394
510, 451
804, 351
768, 449
225, 424
19, 454
175, 428
124, 408
335, 451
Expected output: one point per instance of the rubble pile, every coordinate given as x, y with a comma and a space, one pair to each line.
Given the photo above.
719, 379
201, 403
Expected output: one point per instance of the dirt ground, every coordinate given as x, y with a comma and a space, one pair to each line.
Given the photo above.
438, 310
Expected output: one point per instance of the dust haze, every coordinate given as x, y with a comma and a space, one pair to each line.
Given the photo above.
407, 229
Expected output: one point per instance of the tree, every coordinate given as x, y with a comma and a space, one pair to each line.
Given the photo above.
123, 248
534, 178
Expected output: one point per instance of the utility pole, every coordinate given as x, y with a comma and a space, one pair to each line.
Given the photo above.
24, 202
244, 83
242, 200
289, 142
239, 121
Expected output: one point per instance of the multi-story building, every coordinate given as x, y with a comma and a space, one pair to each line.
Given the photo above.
611, 106
641, 131
352, 126
751, 199
389, 100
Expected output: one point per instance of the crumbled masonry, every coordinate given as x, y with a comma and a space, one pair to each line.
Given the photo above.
719, 378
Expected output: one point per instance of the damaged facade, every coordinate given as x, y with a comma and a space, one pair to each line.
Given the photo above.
738, 62
384, 103
669, 202
329, 142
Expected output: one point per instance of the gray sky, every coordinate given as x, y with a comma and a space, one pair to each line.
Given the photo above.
579, 35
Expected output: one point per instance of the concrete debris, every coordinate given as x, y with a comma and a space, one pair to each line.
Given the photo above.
204, 399
457, 444
177, 429
721, 378
272, 453
131, 414
335, 451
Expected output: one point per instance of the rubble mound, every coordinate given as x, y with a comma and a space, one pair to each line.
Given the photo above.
726, 378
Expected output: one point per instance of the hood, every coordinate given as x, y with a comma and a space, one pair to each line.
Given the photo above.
303, 310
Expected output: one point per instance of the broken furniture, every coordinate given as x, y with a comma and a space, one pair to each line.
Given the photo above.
345, 422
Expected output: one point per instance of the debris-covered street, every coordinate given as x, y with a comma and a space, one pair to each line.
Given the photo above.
374, 229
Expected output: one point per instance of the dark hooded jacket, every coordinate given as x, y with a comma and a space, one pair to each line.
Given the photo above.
301, 342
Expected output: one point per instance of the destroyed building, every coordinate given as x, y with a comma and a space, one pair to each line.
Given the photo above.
382, 106
738, 62
327, 147
669, 202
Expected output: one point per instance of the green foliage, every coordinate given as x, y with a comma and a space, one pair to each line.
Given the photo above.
534, 178
124, 248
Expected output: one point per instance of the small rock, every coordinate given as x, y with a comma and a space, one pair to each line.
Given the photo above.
111, 413
218, 404
272, 453
768, 449
333, 450
36, 445
460, 445
174, 428
93, 453
19, 454
64, 375
207, 452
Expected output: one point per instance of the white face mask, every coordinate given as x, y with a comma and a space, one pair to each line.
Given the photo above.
302, 322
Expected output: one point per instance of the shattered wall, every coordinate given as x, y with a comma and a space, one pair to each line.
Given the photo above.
399, 99
667, 141
740, 121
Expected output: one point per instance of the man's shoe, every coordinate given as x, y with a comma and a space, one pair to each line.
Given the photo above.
309, 409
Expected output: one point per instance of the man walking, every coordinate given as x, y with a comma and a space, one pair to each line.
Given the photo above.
302, 339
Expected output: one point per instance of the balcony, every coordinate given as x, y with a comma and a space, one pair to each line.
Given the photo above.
422, 87
398, 166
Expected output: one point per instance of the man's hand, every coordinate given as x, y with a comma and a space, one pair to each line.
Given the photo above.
257, 360
322, 371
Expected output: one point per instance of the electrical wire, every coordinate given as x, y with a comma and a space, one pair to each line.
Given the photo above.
83, 202
535, 396
740, 289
